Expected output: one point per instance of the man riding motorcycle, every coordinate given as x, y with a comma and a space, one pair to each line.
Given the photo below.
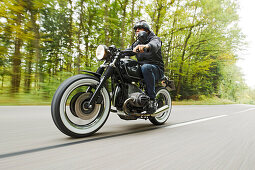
152, 64
82, 103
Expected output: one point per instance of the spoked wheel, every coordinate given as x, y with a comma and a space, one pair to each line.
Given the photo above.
68, 106
163, 98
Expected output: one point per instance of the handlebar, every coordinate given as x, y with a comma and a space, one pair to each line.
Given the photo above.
131, 51
126, 51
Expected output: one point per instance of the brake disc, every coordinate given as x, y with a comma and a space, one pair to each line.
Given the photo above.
80, 109
73, 101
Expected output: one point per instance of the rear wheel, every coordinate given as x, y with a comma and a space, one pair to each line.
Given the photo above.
163, 98
68, 106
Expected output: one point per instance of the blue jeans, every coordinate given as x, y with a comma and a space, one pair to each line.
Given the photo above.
151, 75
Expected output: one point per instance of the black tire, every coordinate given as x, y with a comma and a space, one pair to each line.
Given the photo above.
163, 98
69, 123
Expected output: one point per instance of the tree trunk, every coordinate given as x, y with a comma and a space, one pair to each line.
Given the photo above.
168, 58
183, 54
170, 43
157, 24
16, 67
106, 18
2, 81
28, 71
87, 34
16, 61
87, 50
36, 44
70, 45
182, 62
79, 39
123, 29
132, 22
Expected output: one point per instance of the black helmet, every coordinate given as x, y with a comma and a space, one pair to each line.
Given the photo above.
142, 24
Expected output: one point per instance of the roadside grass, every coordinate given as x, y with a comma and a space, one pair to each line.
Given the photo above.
23, 100
207, 101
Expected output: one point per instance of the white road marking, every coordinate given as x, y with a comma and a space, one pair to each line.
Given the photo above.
244, 110
205, 119
195, 121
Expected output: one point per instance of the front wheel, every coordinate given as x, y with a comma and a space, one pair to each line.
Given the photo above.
163, 98
68, 106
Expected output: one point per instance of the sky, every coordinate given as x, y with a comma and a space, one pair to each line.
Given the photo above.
247, 24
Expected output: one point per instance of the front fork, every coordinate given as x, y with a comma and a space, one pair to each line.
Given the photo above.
108, 72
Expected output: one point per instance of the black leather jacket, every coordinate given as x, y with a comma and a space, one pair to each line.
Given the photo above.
153, 56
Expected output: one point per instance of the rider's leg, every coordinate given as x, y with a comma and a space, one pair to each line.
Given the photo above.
151, 75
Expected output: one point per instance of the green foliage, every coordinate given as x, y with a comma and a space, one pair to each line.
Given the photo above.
48, 88
203, 100
44, 42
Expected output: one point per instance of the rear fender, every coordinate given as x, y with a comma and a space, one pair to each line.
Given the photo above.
168, 84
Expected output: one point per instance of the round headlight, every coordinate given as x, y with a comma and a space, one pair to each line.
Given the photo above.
101, 52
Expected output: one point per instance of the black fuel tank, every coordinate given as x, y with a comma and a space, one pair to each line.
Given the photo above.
130, 70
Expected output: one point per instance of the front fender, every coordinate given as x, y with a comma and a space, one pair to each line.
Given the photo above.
93, 73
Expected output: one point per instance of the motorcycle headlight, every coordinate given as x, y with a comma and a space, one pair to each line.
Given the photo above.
101, 52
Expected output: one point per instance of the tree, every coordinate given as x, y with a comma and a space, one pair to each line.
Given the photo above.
14, 14
42, 42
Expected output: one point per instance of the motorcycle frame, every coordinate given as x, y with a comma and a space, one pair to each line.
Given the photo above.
104, 72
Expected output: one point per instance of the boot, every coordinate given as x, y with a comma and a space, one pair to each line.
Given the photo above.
152, 106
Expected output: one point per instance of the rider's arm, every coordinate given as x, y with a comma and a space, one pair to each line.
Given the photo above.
131, 48
154, 44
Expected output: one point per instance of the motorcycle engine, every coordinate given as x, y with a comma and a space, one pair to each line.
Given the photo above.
139, 99
130, 99
135, 103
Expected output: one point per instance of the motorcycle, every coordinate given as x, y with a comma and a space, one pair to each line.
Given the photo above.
82, 103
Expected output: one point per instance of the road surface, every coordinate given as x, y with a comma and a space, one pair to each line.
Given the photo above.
195, 137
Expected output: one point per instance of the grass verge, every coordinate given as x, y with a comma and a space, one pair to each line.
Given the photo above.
208, 101
23, 100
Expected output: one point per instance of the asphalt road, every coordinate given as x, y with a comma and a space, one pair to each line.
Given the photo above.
195, 137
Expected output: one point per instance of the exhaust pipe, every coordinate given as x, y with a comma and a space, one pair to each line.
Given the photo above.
160, 111
129, 113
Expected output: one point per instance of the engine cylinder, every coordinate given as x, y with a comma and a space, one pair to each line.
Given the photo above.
140, 99
136, 100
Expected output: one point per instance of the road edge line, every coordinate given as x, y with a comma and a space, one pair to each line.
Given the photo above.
195, 121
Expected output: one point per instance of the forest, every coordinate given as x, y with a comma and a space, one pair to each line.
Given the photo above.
43, 42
